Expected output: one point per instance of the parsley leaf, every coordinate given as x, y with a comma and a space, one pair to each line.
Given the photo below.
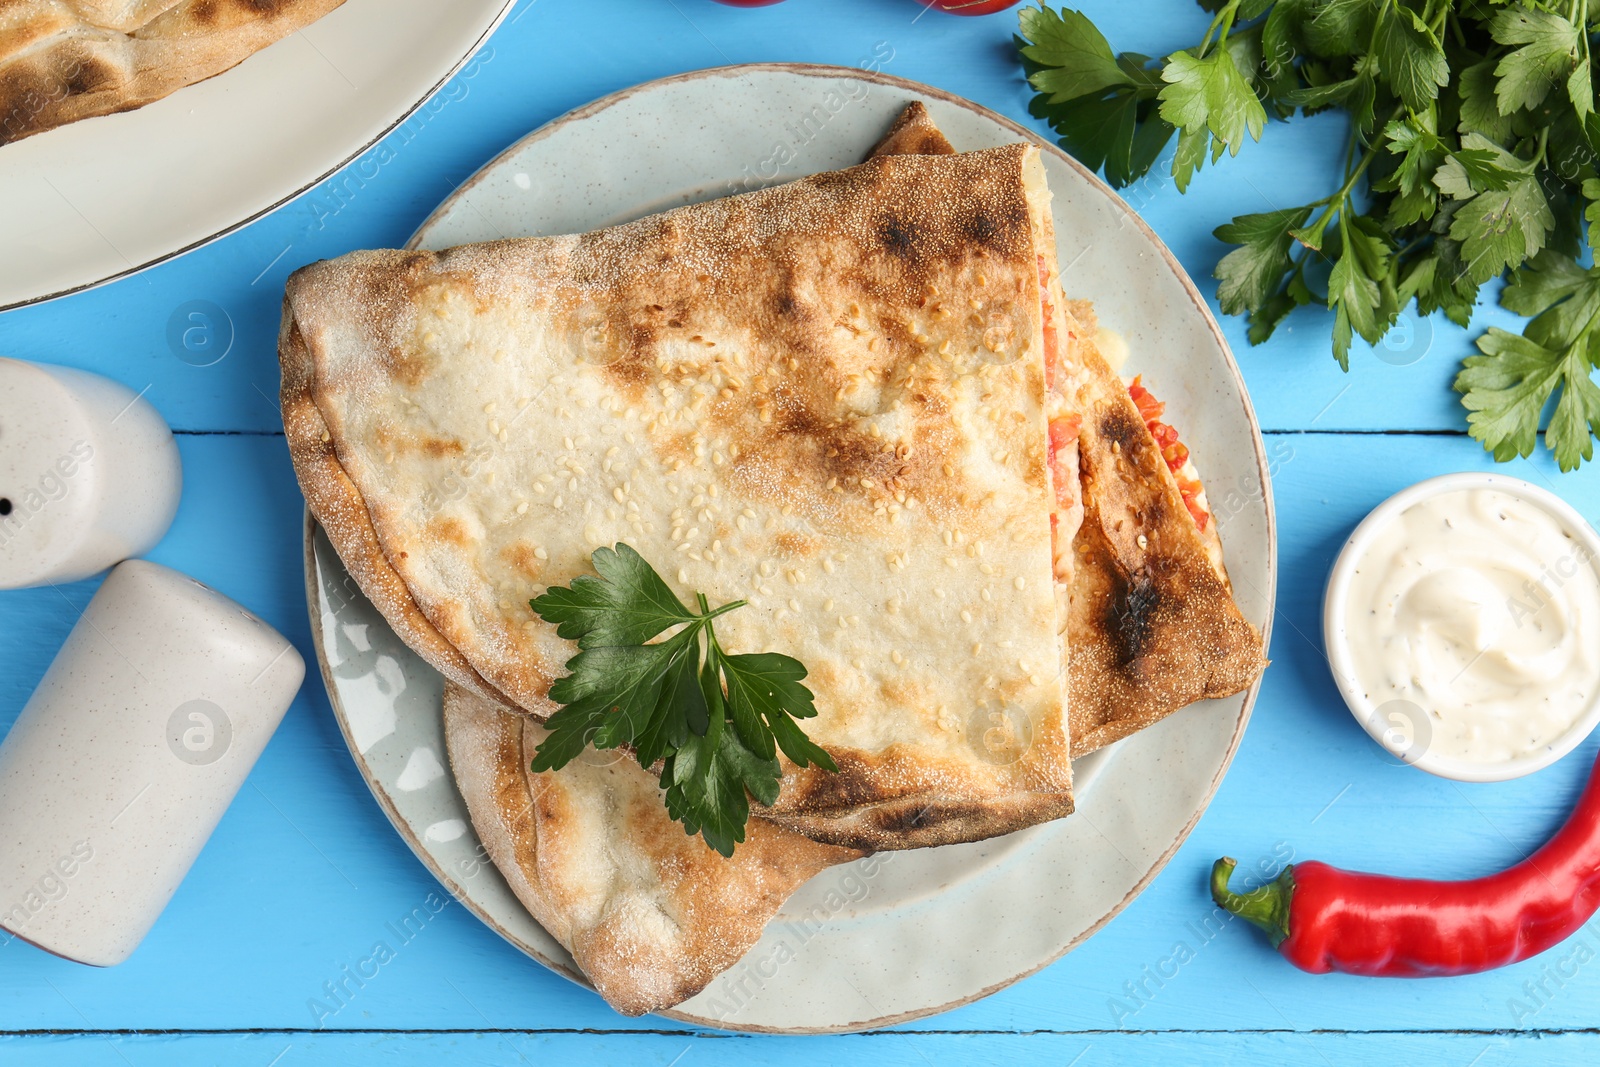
1506, 389
1549, 51
1104, 107
1591, 211
1208, 93
1473, 154
1280, 37
1479, 104
1560, 296
1420, 155
1073, 58
1411, 56
1500, 228
714, 721
1361, 288
626, 605
1338, 27
1100, 132
1250, 274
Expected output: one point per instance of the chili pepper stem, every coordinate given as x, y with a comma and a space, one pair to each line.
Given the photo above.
1266, 906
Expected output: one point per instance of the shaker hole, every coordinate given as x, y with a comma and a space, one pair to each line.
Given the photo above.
5, 506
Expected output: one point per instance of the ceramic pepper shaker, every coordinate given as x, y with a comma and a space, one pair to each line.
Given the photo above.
89, 474
127, 755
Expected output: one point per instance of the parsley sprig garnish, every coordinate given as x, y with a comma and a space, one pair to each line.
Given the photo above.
1471, 156
716, 720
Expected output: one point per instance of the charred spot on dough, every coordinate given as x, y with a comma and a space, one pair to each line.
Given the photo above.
1131, 615
848, 454
89, 74
1012, 232
642, 340
207, 12
902, 817
855, 784
982, 229
410, 368
784, 295
899, 818
792, 416
630, 373
1120, 428
840, 451
29, 90
925, 143
900, 237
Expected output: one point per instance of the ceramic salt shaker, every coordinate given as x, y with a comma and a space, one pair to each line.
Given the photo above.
89, 474
124, 759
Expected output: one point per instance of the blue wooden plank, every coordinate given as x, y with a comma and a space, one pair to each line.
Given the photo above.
549, 59
888, 1049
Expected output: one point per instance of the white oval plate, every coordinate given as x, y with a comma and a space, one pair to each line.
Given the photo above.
907, 934
102, 198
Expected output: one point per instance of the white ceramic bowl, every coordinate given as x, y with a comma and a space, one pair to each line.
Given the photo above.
1385, 724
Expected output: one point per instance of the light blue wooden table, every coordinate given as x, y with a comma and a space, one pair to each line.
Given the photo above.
305, 872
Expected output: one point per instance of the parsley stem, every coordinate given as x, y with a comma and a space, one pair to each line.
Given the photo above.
706, 614
1436, 23
1223, 21
1587, 326
1337, 202
713, 649
1377, 24
1581, 20
1361, 168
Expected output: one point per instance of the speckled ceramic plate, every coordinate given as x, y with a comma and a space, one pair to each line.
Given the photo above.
904, 934
102, 198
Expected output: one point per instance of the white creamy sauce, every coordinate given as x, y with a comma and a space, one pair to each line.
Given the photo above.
1482, 610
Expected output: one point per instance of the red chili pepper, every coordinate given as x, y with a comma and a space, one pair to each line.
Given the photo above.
1324, 919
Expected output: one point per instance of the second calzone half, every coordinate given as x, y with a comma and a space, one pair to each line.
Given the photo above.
1149, 623
826, 398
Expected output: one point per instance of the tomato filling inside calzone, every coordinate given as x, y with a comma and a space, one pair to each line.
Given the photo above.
1065, 423
1175, 452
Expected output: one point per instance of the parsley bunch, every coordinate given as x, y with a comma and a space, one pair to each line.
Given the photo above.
1471, 156
716, 720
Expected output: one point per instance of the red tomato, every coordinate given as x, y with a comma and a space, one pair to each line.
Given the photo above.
971, 7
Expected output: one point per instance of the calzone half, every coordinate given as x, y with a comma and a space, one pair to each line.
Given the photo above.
826, 398
1149, 623
649, 914
65, 60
